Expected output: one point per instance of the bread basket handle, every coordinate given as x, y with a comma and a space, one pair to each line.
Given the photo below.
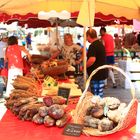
104, 67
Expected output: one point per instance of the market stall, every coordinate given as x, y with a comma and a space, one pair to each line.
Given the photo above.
128, 60
132, 68
26, 112
18, 129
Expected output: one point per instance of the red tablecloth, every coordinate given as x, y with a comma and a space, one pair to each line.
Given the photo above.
11, 128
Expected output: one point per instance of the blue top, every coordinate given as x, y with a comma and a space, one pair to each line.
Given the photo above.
28, 40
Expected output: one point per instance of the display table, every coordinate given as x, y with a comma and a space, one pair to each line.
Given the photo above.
11, 128
75, 91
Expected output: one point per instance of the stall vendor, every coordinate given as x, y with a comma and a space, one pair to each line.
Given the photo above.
68, 51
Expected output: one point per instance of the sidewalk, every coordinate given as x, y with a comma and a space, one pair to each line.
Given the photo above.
123, 94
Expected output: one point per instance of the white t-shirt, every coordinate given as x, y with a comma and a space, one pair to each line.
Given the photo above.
3, 46
69, 53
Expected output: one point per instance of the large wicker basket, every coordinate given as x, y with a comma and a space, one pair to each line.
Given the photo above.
85, 101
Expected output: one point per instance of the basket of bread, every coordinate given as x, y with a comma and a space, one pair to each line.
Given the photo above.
54, 67
104, 116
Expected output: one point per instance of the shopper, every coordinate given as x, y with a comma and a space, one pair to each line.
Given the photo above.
108, 42
29, 41
117, 41
26, 56
96, 57
15, 62
79, 41
3, 45
129, 40
138, 39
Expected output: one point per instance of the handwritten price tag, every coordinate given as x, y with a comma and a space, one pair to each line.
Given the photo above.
64, 92
73, 129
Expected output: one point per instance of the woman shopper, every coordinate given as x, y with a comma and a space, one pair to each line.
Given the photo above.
15, 62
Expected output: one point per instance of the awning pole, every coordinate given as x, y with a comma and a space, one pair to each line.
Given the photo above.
85, 57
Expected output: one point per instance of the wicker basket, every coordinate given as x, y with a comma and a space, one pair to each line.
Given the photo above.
57, 70
61, 68
85, 101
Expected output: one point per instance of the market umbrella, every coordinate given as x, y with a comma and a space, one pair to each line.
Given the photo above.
86, 19
34, 6
25, 9
126, 8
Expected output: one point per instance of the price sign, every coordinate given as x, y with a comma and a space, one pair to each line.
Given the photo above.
73, 129
64, 92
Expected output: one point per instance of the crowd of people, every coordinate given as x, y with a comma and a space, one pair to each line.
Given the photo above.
128, 41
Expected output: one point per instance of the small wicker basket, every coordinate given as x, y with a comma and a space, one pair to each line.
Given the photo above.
85, 101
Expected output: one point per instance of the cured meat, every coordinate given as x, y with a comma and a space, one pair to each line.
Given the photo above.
90, 121
38, 119
56, 111
31, 111
48, 101
97, 111
28, 111
105, 125
61, 122
58, 100
43, 111
48, 121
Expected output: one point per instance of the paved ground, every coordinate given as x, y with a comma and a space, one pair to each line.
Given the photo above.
123, 94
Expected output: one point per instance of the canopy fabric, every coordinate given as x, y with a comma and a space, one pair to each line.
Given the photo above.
127, 8
107, 19
33, 22
34, 6
5, 17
